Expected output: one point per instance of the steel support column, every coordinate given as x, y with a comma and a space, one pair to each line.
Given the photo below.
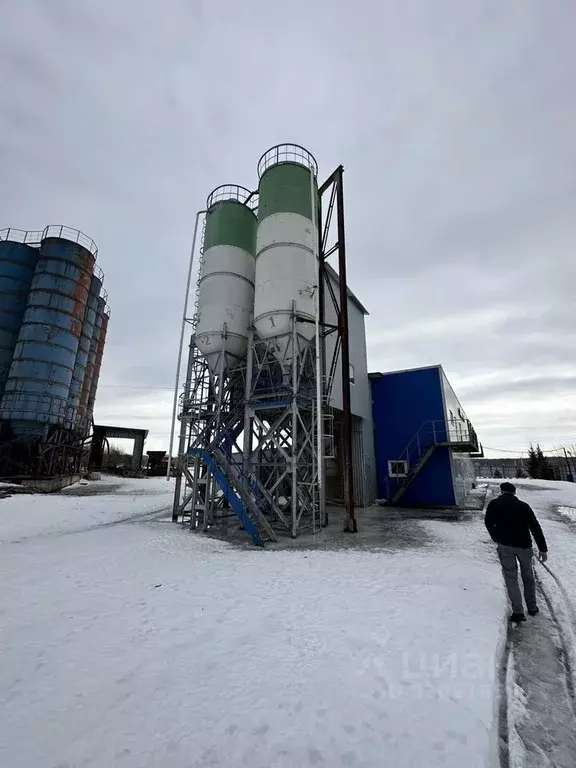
334, 188
183, 434
350, 523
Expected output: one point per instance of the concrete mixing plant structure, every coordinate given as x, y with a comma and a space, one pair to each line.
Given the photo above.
266, 417
53, 315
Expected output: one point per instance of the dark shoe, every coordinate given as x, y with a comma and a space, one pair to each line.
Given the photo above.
517, 618
533, 611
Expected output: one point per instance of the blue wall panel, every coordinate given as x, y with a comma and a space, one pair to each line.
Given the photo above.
402, 402
434, 485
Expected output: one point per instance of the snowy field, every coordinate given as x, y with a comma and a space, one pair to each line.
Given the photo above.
128, 641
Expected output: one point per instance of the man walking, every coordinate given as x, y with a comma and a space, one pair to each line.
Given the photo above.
510, 522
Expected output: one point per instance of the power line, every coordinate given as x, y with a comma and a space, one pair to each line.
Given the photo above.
134, 386
521, 450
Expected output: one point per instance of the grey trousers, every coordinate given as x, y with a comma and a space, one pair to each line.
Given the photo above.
509, 559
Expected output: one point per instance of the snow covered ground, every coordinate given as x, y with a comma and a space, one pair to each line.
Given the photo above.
128, 641
115, 499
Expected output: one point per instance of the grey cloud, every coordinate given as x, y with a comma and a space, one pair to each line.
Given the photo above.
533, 387
454, 122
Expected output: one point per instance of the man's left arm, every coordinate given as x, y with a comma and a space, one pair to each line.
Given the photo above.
537, 533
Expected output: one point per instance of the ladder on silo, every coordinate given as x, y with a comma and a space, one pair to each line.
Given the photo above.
328, 432
200, 265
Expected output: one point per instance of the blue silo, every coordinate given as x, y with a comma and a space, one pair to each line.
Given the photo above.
86, 407
98, 364
17, 262
38, 385
74, 416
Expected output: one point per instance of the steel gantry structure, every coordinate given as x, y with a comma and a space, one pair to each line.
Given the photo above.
254, 435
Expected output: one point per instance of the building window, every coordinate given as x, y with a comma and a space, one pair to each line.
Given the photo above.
352, 374
397, 468
451, 418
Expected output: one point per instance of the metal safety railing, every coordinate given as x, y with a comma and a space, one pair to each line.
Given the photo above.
287, 153
73, 235
35, 237
228, 192
255, 497
21, 236
459, 435
435, 433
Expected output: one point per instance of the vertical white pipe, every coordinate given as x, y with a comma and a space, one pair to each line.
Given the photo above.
294, 423
247, 442
181, 344
183, 433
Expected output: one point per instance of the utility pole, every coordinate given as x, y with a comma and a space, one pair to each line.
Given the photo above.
570, 476
350, 523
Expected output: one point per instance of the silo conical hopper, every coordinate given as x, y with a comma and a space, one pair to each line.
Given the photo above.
226, 284
286, 246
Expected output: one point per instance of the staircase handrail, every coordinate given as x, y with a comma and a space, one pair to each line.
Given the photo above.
244, 491
441, 431
251, 483
229, 419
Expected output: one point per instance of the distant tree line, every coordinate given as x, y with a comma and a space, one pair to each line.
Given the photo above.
538, 466
116, 457
560, 464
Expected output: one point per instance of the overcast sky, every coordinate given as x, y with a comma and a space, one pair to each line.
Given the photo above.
455, 122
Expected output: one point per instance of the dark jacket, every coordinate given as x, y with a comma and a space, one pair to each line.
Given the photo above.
510, 522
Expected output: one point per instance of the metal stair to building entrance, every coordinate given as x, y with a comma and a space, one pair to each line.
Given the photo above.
458, 435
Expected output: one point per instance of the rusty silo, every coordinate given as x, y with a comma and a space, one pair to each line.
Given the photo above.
49, 300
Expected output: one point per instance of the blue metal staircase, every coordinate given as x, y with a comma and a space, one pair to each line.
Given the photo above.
250, 501
459, 436
236, 488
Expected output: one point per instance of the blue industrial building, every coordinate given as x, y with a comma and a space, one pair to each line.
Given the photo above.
424, 440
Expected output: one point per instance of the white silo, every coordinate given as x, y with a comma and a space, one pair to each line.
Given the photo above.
286, 261
226, 281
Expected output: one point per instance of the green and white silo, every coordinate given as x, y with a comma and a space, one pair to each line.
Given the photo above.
226, 281
286, 261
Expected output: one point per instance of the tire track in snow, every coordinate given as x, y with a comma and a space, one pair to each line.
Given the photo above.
503, 723
565, 630
136, 517
537, 712
569, 604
